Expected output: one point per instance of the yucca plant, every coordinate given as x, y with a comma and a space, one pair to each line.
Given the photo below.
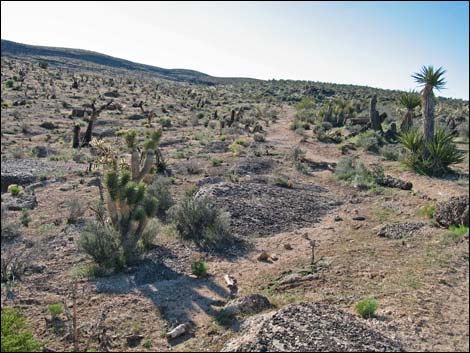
410, 100
431, 158
429, 78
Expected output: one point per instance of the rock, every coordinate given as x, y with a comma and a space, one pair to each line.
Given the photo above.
66, 187
274, 257
399, 230
338, 219
179, 330
392, 182
450, 212
17, 203
112, 94
136, 117
287, 246
48, 125
36, 268
264, 256
262, 209
250, 304
359, 218
40, 151
309, 327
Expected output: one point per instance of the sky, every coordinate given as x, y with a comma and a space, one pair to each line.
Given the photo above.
378, 44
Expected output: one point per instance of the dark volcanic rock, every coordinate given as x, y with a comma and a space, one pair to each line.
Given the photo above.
17, 203
392, 182
27, 171
450, 212
309, 327
400, 230
250, 304
264, 209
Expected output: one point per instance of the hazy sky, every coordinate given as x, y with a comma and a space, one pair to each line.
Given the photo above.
366, 43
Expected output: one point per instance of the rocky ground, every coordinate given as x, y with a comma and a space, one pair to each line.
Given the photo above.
376, 242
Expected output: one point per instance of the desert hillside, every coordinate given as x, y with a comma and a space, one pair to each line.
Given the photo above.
248, 215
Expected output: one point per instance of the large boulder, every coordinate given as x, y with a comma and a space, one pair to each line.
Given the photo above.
452, 211
17, 203
309, 327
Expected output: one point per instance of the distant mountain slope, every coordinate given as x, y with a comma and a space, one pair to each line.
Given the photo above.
10, 48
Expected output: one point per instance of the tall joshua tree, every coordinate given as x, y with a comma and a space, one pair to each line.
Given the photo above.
410, 100
429, 78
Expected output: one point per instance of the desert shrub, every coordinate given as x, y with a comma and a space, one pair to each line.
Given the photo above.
235, 148
55, 309
199, 268
101, 242
200, 220
281, 181
149, 234
16, 335
370, 140
259, 137
430, 158
9, 83
354, 172
463, 131
366, 308
12, 265
428, 210
455, 234
459, 230
159, 190
216, 162
25, 217
76, 209
165, 122
391, 152
14, 190
9, 228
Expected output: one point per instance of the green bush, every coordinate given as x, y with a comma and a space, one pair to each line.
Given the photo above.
459, 230
14, 190
370, 141
366, 308
428, 211
391, 152
101, 242
355, 173
200, 220
149, 234
430, 158
9, 84
216, 162
159, 190
25, 217
199, 268
16, 336
55, 309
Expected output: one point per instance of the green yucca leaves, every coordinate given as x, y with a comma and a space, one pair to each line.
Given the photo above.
430, 158
429, 76
410, 100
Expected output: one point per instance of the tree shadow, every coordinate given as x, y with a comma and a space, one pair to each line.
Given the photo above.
178, 297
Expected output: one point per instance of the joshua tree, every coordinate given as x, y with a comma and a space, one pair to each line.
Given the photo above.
430, 79
94, 115
410, 100
76, 136
374, 114
128, 202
